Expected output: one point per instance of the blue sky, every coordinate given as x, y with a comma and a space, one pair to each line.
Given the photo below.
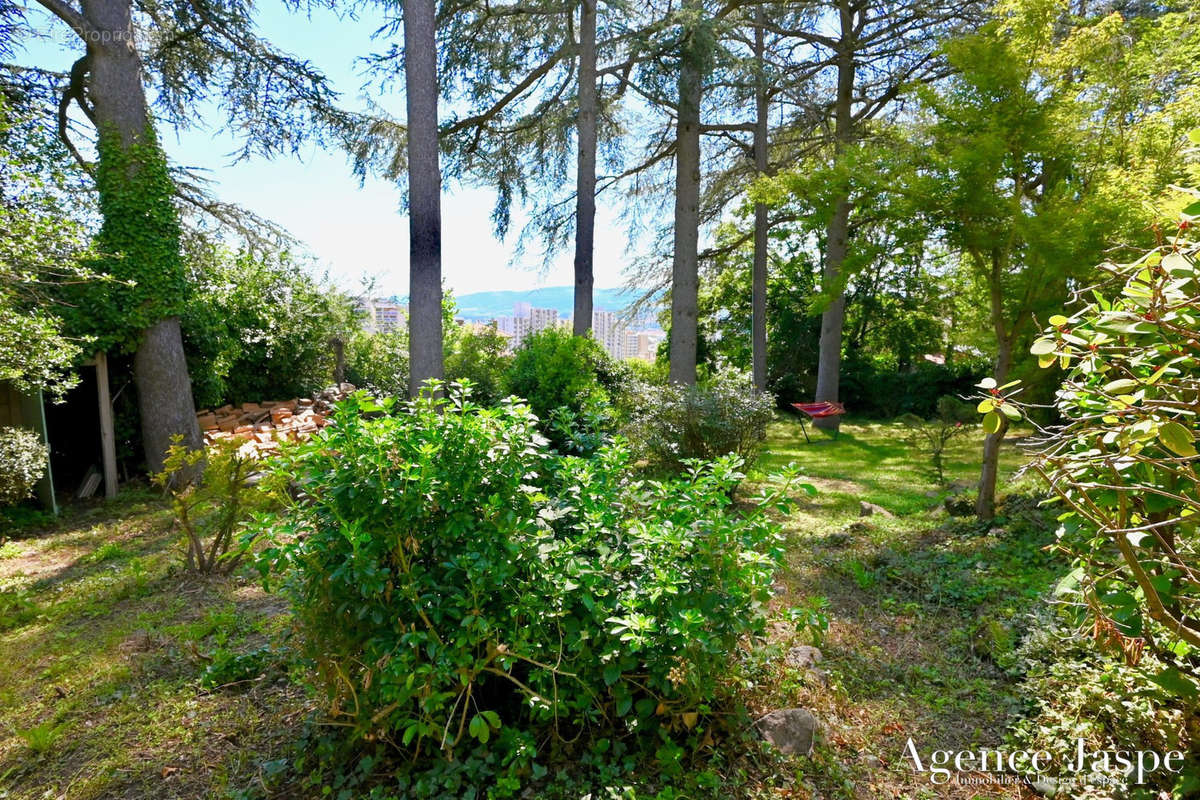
352, 230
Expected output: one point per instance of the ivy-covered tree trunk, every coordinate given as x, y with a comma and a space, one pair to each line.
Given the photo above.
424, 195
585, 186
833, 320
140, 231
685, 280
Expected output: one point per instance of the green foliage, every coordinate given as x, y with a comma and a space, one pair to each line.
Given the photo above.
139, 245
258, 327
1077, 693
461, 588
43, 240
378, 362
213, 512
554, 369
476, 354
42, 737
879, 388
23, 461
1123, 461
226, 667
672, 424
952, 420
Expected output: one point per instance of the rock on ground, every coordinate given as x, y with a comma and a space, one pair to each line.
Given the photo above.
791, 730
866, 509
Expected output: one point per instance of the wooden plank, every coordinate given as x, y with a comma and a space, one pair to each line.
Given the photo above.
108, 439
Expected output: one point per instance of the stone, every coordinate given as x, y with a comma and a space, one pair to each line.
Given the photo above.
866, 509
803, 656
791, 730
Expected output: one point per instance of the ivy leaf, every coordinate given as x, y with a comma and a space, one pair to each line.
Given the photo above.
1176, 438
1176, 683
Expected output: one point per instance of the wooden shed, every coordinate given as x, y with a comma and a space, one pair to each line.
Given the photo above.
89, 411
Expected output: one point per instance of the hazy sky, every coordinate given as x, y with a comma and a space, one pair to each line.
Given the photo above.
353, 230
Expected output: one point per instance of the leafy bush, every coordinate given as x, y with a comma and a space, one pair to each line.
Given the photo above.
876, 388
23, 461
477, 354
1108, 703
553, 368
258, 327
378, 362
459, 585
213, 512
953, 419
1123, 463
672, 424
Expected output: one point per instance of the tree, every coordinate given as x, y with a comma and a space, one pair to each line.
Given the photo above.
585, 190
43, 245
424, 195
191, 51
1031, 140
878, 49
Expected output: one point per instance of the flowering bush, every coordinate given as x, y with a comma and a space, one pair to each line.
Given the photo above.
23, 461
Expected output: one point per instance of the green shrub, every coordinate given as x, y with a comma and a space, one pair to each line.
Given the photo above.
553, 368
877, 388
213, 512
257, 326
378, 362
1123, 461
672, 424
458, 585
1110, 704
477, 354
23, 461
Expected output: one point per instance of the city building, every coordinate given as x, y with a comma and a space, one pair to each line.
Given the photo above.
526, 320
382, 315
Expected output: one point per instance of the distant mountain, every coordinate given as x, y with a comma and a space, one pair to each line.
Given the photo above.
483, 306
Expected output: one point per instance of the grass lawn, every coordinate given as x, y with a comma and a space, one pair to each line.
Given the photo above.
107, 645
922, 607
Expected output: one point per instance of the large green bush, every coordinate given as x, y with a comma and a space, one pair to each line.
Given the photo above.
457, 584
673, 423
23, 461
477, 354
258, 327
378, 362
552, 369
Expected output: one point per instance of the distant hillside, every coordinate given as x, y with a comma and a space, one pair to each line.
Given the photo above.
491, 305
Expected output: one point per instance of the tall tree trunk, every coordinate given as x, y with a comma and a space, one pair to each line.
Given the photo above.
585, 186
758, 291
829, 355
985, 502
118, 101
424, 195
685, 279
